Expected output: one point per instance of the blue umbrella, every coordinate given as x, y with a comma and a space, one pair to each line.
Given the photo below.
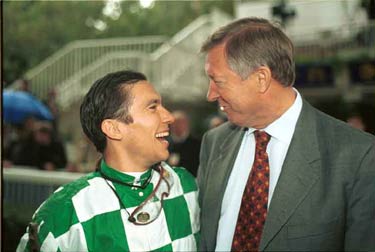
19, 105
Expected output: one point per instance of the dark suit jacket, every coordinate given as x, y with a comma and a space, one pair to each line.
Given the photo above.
324, 199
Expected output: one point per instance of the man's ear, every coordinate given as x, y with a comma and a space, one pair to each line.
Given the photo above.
263, 78
110, 128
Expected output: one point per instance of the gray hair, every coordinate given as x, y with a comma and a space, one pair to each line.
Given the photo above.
254, 42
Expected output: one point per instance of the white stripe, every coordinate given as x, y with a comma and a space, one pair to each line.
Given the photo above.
194, 210
73, 240
185, 244
40, 225
95, 199
49, 244
176, 189
58, 189
22, 245
37, 210
147, 237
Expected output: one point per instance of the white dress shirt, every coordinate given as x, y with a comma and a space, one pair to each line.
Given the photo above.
281, 132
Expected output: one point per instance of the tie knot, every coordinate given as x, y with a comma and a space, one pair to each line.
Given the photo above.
261, 138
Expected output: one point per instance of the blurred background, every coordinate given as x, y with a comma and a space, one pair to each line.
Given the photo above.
54, 50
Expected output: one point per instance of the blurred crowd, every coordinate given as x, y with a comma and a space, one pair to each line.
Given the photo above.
36, 143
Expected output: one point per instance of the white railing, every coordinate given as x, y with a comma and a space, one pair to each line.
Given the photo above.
175, 67
26, 186
350, 39
164, 67
77, 85
179, 56
76, 55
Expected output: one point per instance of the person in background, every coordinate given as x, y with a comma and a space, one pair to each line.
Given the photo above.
51, 103
133, 201
14, 135
39, 149
280, 175
184, 148
356, 121
23, 85
49, 150
215, 121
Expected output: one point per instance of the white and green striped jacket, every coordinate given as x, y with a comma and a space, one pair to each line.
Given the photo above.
86, 215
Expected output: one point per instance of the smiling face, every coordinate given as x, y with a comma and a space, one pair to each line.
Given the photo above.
238, 98
144, 138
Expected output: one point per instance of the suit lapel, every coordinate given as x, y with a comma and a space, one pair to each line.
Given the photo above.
220, 169
299, 174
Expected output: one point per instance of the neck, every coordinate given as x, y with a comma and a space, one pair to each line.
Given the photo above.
123, 162
277, 102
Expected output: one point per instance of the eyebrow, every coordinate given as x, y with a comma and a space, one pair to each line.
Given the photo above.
216, 78
153, 101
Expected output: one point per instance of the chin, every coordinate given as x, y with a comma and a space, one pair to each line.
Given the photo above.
165, 156
162, 156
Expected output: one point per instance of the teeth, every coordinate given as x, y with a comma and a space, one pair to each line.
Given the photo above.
163, 134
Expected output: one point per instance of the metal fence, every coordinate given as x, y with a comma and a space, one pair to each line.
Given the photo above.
28, 187
175, 66
73, 57
165, 67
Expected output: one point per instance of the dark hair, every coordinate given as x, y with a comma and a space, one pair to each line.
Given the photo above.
254, 42
108, 98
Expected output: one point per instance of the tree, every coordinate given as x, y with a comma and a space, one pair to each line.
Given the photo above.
33, 30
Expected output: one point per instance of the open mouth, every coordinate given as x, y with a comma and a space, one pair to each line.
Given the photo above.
162, 137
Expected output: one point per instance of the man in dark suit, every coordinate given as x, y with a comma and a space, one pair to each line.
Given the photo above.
318, 173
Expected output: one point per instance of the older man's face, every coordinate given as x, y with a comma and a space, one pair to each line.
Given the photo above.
236, 97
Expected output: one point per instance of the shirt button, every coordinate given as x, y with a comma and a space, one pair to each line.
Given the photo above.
140, 194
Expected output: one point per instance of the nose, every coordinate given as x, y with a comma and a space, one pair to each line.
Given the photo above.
212, 94
167, 117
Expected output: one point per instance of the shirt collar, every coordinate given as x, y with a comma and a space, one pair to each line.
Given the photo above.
283, 127
126, 178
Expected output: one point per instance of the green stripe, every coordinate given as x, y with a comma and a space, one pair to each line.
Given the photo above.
178, 218
113, 173
132, 197
105, 232
187, 179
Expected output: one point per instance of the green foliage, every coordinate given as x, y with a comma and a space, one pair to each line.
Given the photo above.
33, 30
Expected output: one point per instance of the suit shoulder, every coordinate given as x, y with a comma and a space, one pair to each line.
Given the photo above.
342, 130
222, 129
341, 125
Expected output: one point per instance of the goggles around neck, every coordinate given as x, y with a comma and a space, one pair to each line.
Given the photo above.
149, 210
